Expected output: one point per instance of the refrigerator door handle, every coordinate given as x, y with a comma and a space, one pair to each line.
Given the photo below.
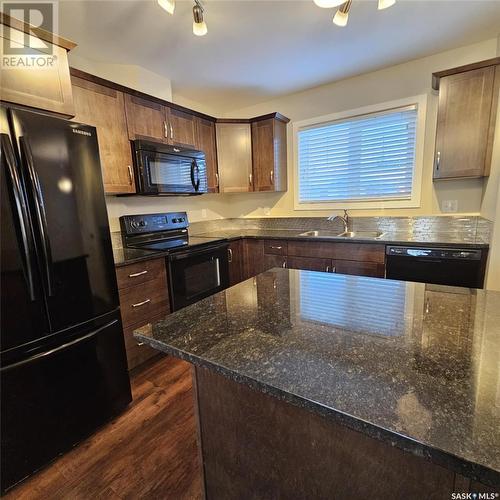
10, 162
62, 347
41, 216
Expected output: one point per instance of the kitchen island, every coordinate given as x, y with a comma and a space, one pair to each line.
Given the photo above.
317, 385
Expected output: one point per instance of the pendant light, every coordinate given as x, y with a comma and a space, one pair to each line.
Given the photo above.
199, 24
384, 4
342, 15
168, 5
328, 4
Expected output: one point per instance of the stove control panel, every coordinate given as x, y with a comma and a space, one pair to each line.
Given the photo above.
152, 223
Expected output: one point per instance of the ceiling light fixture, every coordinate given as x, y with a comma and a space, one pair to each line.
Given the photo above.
328, 4
384, 4
199, 25
168, 5
342, 15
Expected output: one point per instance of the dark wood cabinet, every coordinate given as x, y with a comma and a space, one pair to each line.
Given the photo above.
468, 104
253, 257
181, 128
145, 119
206, 142
48, 88
104, 108
310, 264
269, 155
358, 268
271, 261
235, 259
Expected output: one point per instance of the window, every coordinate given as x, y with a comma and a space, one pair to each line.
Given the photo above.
370, 159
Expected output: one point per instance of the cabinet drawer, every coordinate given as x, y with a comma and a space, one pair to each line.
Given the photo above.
366, 252
134, 274
275, 247
371, 269
141, 302
137, 353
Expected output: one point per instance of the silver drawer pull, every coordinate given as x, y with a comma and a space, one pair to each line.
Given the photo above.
334, 269
142, 273
140, 344
147, 301
276, 248
327, 269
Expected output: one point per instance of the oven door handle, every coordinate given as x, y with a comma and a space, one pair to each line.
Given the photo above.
193, 253
195, 181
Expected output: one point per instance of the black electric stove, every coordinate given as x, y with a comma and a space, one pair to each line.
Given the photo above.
197, 267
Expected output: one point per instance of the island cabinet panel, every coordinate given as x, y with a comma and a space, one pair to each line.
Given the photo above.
144, 298
235, 258
146, 119
269, 155
104, 108
466, 121
181, 128
310, 264
366, 252
206, 142
234, 154
256, 445
357, 268
253, 257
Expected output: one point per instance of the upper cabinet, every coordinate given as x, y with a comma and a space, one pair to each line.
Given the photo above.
269, 154
146, 119
468, 102
206, 142
181, 128
104, 108
47, 88
252, 154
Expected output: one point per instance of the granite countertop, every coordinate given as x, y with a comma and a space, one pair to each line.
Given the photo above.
412, 364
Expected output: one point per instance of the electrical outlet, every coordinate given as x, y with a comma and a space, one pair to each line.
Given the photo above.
450, 206
204, 213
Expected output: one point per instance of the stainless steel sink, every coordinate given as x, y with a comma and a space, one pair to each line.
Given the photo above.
365, 235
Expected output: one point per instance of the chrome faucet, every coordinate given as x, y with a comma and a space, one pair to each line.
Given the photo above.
344, 219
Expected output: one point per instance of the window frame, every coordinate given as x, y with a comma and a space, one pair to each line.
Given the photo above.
416, 191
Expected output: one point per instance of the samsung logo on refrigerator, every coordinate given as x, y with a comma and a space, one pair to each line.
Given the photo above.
81, 132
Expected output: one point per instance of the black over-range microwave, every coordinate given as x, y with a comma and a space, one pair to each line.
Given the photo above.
169, 170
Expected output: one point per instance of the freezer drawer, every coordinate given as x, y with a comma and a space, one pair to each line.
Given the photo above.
56, 398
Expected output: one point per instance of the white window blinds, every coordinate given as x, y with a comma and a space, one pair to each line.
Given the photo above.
366, 157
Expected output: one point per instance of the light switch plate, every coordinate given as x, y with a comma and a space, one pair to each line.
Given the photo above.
204, 213
450, 206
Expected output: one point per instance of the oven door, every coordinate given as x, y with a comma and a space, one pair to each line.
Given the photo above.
196, 274
166, 173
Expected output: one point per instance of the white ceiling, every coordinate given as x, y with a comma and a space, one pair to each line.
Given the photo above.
256, 50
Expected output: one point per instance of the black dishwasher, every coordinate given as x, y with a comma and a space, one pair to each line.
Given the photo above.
440, 266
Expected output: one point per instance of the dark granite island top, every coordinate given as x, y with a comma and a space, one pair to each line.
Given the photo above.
413, 365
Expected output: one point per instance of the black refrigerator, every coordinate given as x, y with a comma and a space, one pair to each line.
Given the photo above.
62, 363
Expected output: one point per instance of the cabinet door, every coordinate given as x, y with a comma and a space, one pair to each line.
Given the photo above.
48, 88
234, 153
145, 119
309, 264
269, 155
464, 117
357, 268
253, 258
181, 128
271, 261
206, 143
104, 109
235, 262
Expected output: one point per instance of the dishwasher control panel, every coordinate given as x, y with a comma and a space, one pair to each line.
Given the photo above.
434, 253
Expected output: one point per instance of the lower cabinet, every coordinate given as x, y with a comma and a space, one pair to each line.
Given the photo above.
371, 269
235, 259
310, 264
143, 299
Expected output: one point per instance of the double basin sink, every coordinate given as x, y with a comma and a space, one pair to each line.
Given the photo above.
363, 235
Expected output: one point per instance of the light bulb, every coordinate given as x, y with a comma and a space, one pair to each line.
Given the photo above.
200, 29
341, 18
384, 4
168, 5
328, 4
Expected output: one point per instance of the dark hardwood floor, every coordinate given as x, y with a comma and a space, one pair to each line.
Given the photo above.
150, 451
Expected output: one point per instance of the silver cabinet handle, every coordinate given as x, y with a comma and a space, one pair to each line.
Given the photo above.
171, 132
216, 179
284, 264
438, 160
327, 269
271, 176
250, 179
165, 130
334, 269
130, 174
140, 344
275, 248
137, 274
147, 301
230, 255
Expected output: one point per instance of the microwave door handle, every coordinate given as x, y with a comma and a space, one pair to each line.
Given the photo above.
34, 184
195, 181
22, 216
